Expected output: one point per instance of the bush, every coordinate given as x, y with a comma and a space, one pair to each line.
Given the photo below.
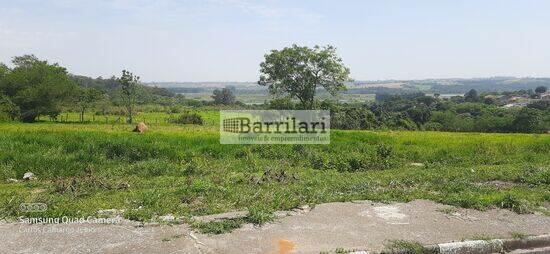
433, 126
528, 120
4, 117
188, 118
384, 157
540, 105
353, 119
112, 110
282, 104
513, 203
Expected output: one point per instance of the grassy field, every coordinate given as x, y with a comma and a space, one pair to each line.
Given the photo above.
210, 117
183, 170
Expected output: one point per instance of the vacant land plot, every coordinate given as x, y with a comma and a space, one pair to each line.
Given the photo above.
183, 170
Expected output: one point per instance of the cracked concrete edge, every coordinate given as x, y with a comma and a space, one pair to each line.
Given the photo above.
477, 246
243, 214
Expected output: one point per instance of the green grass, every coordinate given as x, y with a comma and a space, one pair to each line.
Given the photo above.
403, 246
519, 235
481, 237
210, 117
183, 170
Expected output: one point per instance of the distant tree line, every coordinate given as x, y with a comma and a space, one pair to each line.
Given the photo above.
491, 85
416, 111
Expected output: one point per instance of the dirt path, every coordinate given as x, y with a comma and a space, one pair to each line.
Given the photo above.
352, 225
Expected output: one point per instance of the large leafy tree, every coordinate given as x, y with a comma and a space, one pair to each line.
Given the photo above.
34, 87
297, 72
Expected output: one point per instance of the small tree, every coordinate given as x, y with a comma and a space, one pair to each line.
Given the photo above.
86, 98
298, 72
224, 96
129, 84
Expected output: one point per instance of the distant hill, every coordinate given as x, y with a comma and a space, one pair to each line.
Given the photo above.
442, 86
212, 85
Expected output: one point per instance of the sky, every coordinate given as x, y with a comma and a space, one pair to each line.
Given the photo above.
226, 40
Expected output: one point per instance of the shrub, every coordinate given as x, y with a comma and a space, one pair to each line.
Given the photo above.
260, 214
513, 203
322, 161
433, 126
353, 119
4, 117
284, 103
540, 105
528, 120
188, 118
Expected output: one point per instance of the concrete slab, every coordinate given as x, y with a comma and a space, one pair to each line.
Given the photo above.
532, 251
352, 225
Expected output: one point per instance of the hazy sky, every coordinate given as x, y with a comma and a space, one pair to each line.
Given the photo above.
225, 40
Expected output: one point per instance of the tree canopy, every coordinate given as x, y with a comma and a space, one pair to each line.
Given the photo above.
129, 85
34, 87
541, 89
224, 96
297, 72
471, 96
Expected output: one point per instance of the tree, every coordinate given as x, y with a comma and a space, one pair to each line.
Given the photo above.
85, 98
224, 96
298, 71
419, 114
540, 89
129, 85
4, 70
427, 100
34, 87
6, 105
471, 96
528, 120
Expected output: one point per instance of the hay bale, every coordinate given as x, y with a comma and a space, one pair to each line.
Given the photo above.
141, 127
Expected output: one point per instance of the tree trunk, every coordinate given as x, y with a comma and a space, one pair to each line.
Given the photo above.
28, 118
130, 120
